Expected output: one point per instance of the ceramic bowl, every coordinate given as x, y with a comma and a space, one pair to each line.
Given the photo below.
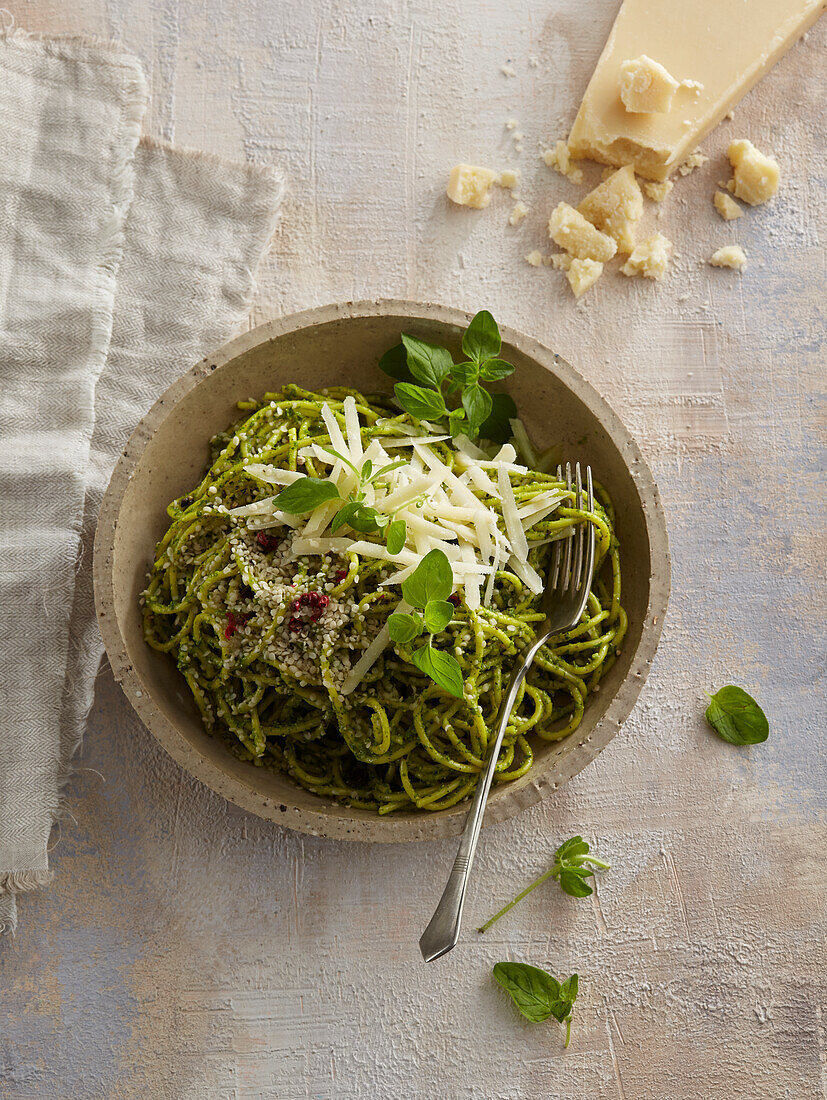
331, 345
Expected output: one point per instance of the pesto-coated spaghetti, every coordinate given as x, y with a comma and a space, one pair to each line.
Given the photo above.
269, 636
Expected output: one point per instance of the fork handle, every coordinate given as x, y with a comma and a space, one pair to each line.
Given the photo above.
442, 932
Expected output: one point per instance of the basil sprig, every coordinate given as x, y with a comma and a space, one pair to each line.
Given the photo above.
307, 493
537, 994
736, 717
572, 866
427, 377
427, 591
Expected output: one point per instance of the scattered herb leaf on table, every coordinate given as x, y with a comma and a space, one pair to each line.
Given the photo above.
537, 994
736, 717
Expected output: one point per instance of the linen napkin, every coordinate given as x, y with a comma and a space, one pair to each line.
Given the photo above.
184, 252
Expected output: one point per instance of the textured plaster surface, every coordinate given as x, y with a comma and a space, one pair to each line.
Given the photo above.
187, 949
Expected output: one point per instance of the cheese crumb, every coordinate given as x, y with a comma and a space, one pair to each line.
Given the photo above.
727, 207
657, 192
469, 185
517, 214
615, 207
533, 62
646, 87
559, 158
650, 258
561, 261
693, 161
583, 274
569, 229
755, 175
509, 178
694, 86
730, 255
508, 70
512, 124
535, 258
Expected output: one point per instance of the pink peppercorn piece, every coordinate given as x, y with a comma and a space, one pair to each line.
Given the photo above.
267, 542
316, 601
454, 599
234, 622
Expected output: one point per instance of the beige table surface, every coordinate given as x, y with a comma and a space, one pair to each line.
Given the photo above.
187, 949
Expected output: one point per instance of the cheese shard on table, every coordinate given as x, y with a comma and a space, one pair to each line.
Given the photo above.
755, 175
615, 207
725, 45
657, 192
650, 258
731, 255
583, 274
727, 207
646, 87
469, 185
569, 229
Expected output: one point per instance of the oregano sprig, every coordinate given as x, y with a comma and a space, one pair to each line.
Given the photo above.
427, 591
572, 866
426, 376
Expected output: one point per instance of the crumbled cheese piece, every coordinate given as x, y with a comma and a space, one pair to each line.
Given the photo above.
693, 161
469, 185
615, 207
657, 192
729, 116
559, 158
509, 178
561, 261
533, 62
756, 176
535, 258
512, 124
508, 70
694, 86
646, 87
730, 255
569, 229
583, 274
518, 213
726, 206
649, 258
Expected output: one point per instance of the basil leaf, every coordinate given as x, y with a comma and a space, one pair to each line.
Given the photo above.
404, 628
736, 717
395, 363
443, 668
497, 427
343, 515
571, 848
428, 363
466, 373
492, 370
457, 424
438, 613
387, 469
422, 404
304, 495
478, 405
481, 339
396, 536
570, 988
532, 990
366, 471
431, 580
572, 882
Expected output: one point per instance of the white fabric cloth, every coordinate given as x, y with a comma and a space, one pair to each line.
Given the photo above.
184, 253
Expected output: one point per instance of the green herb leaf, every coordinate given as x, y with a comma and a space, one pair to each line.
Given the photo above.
736, 717
537, 994
404, 628
341, 457
572, 882
395, 363
422, 404
396, 536
443, 668
492, 370
388, 468
466, 373
343, 515
438, 613
572, 848
359, 516
304, 495
428, 363
431, 580
478, 404
481, 339
497, 427
366, 471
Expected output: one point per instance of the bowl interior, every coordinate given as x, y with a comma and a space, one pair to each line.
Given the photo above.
167, 456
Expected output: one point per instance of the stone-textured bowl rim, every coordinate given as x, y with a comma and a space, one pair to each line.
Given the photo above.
385, 829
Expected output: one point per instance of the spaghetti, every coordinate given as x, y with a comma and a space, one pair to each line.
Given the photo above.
269, 639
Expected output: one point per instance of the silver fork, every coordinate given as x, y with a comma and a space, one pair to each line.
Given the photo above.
564, 600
